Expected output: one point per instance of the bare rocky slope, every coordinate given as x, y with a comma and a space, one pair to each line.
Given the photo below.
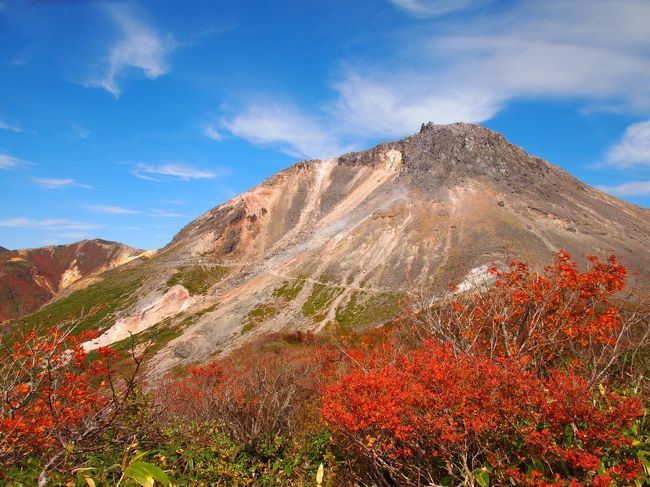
31, 277
341, 242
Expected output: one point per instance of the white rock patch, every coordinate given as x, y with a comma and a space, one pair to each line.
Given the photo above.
175, 300
72, 274
478, 278
392, 160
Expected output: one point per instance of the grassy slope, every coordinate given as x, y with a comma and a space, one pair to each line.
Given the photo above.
93, 307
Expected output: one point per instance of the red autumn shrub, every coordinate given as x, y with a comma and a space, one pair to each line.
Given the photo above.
429, 414
48, 388
264, 389
561, 316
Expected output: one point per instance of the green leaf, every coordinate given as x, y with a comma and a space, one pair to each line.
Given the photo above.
482, 478
569, 433
137, 457
145, 474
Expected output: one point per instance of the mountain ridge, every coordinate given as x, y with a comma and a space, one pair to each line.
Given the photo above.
342, 242
32, 276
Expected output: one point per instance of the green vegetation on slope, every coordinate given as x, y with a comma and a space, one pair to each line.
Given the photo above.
155, 337
321, 296
290, 289
198, 279
257, 315
17, 264
363, 310
94, 306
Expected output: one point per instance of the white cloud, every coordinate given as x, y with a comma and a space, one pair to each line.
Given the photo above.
74, 235
398, 106
138, 47
158, 213
469, 69
632, 188
54, 183
634, 147
284, 126
111, 210
59, 183
9, 126
65, 238
51, 223
171, 172
178, 202
211, 133
10, 162
432, 8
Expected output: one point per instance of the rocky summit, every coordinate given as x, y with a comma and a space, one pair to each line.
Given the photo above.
342, 242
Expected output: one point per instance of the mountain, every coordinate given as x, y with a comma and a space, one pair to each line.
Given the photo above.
2, 249
341, 242
31, 277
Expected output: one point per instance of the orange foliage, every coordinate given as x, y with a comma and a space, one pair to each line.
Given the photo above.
430, 413
485, 388
264, 389
560, 316
48, 387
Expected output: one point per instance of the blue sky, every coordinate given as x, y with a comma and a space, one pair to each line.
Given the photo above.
126, 120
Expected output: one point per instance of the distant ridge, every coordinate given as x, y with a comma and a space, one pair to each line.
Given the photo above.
31, 277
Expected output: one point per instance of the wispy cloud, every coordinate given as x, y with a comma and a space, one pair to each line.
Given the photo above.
211, 133
468, 70
10, 162
634, 147
51, 223
80, 132
158, 213
631, 188
557, 49
138, 47
74, 235
111, 210
285, 127
166, 172
379, 107
177, 202
4, 125
432, 8
65, 238
22, 57
59, 183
